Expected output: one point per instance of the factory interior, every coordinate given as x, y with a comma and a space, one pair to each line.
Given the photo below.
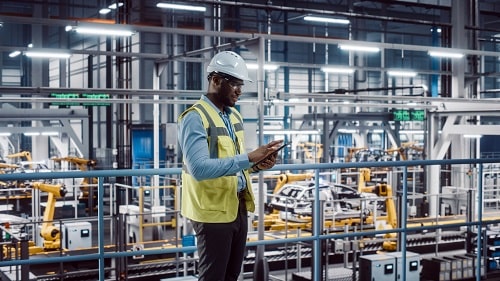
390, 109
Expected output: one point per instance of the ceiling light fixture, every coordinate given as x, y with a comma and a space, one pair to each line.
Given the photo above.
30, 134
3, 134
14, 54
112, 31
104, 11
114, 6
327, 20
181, 7
450, 55
418, 132
50, 133
348, 131
267, 66
473, 136
402, 73
337, 69
47, 54
368, 49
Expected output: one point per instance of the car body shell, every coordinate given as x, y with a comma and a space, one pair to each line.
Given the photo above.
340, 201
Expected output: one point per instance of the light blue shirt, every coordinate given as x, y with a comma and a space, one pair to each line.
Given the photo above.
192, 138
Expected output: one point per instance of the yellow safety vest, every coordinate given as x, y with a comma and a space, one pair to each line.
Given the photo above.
215, 200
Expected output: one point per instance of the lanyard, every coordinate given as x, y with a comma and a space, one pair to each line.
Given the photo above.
230, 129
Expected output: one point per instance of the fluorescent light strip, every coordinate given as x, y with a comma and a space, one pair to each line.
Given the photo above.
348, 131
359, 48
102, 31
104, 11
270, 67
327, 20
14, 54
402, 73
115, 5
412, 132
31, 134
473, 136
445, 55
50, 133
40, 54
181, 7
345, 70
5, 134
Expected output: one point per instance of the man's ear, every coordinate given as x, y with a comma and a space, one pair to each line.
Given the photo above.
217, 80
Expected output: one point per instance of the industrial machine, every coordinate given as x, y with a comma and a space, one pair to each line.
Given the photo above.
27, 165
87, 186
21, 154
311, 151
407, 151
351, 152
383, 190
3, 168
83, 165
49, 232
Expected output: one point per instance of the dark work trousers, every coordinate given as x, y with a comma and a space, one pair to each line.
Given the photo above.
221, 247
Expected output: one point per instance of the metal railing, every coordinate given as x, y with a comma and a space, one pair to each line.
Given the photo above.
315, 238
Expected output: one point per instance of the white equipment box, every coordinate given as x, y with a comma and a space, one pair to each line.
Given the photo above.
77, 235
377, 267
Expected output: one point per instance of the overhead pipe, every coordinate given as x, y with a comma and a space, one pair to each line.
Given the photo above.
194, 32
319, 11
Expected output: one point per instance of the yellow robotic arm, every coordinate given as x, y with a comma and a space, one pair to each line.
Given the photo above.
8, 166
82, 164
289, 178
25, 154
50, 233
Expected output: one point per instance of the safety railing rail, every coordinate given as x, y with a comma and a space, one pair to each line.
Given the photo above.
316, 236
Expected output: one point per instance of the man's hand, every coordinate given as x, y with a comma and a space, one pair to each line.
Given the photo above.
265, 151
267, 163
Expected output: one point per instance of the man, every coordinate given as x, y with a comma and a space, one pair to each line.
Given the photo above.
216, 187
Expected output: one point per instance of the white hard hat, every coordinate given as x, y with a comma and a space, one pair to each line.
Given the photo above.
229, 63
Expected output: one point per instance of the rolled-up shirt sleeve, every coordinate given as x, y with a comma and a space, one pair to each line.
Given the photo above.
194, 146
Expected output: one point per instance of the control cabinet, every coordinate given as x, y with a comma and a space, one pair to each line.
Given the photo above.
412, 267
377, 267
77, 235
389, 267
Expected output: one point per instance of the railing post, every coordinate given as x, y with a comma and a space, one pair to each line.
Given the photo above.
25, 255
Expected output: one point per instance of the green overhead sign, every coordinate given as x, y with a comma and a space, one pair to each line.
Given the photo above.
94, 99
408, 115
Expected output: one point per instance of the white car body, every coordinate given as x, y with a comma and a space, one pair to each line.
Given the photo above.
340, 201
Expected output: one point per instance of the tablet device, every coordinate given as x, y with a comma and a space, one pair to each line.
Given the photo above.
276, 151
